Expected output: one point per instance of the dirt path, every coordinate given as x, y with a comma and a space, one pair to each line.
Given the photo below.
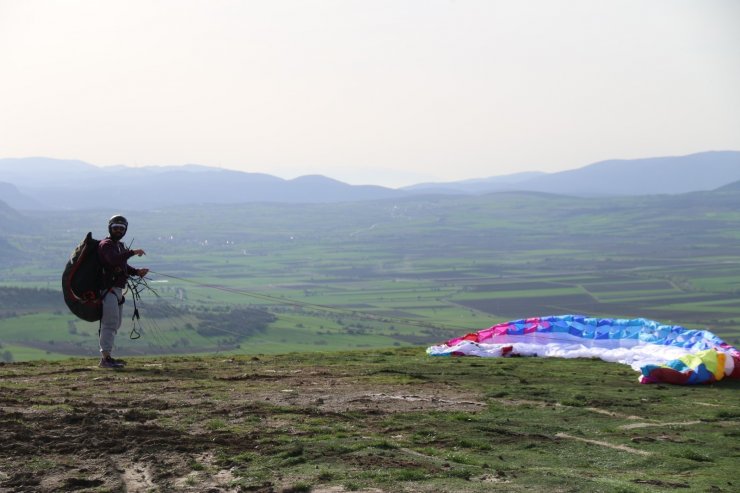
600, 443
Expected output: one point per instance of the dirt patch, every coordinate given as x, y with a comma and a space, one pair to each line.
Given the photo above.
339, 395
376, 402
661, 484
633, 426
623, 448
159, 428
90, 447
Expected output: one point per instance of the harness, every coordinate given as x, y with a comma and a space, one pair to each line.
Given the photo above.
136, 287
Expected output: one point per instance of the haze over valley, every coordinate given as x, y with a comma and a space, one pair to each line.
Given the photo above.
393, 266
53, 184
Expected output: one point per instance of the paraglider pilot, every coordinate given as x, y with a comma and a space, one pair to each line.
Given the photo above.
114, 257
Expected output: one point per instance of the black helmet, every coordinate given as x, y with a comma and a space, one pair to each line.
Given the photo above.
117, 221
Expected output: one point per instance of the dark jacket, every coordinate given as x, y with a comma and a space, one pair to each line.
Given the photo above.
113, 257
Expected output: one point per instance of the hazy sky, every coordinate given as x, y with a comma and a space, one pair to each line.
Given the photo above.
372, 91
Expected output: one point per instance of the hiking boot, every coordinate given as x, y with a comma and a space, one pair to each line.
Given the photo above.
119, 361
109, 363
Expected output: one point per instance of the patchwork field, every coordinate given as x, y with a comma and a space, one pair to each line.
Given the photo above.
385, 274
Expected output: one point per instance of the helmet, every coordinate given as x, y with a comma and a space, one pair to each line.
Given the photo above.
117, 221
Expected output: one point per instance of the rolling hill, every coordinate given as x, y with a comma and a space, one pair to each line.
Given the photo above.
51, 184
69, 185
660, 175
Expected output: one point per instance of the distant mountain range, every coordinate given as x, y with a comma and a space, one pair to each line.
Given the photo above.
43, 183
54, 184
618, 177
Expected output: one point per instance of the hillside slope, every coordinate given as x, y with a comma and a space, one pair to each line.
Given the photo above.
59, 184
45, 183
371, 421
617, 177
661, 175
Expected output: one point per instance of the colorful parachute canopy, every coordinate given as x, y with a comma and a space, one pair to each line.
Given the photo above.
661, 353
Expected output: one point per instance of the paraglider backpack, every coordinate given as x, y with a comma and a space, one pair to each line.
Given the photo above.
82, 281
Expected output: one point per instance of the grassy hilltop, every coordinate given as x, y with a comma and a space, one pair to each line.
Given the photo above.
298, 307
370, 421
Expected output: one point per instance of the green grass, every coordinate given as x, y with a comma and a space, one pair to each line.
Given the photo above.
393, 420
38, 326
24, 353
431, 267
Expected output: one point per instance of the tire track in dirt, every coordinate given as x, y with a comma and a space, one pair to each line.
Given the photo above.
633, 426
623, 448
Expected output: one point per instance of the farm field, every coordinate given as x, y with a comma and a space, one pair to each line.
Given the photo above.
387, 274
